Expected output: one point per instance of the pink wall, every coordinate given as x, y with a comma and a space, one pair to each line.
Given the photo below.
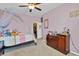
25, 26
59, 18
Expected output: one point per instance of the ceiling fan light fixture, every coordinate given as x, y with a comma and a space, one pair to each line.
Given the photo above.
31, 6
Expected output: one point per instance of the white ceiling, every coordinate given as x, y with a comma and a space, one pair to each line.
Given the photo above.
13, 7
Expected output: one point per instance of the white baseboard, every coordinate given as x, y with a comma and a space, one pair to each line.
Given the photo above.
74, 53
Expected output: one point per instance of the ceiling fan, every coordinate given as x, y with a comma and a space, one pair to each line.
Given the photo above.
32, 6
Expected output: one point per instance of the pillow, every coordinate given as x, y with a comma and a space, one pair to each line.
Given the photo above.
13, 33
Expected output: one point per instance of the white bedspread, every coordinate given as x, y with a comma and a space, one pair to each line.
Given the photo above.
10, 41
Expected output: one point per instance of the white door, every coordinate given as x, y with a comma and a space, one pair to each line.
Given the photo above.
39, 30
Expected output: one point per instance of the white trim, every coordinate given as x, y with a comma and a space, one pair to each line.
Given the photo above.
74, 53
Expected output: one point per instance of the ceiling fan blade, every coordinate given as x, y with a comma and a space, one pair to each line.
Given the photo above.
23, 6
38, 8
30, 10
37, 3
34, 3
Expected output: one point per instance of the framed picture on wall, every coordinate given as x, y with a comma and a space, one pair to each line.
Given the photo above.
46, 23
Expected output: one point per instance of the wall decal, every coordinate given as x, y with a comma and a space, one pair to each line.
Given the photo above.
6, 18
74, 13
46, 23
14, 14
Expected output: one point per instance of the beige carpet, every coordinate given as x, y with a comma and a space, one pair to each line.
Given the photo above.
41, 49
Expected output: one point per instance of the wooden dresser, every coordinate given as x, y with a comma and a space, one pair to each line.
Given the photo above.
59, 42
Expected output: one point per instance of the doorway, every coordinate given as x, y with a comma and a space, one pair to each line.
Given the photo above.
35, 30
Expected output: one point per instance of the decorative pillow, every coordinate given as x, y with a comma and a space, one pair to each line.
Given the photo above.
7, 33
13, 33
21, 37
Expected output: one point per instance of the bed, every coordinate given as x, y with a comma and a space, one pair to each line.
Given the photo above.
10, 41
